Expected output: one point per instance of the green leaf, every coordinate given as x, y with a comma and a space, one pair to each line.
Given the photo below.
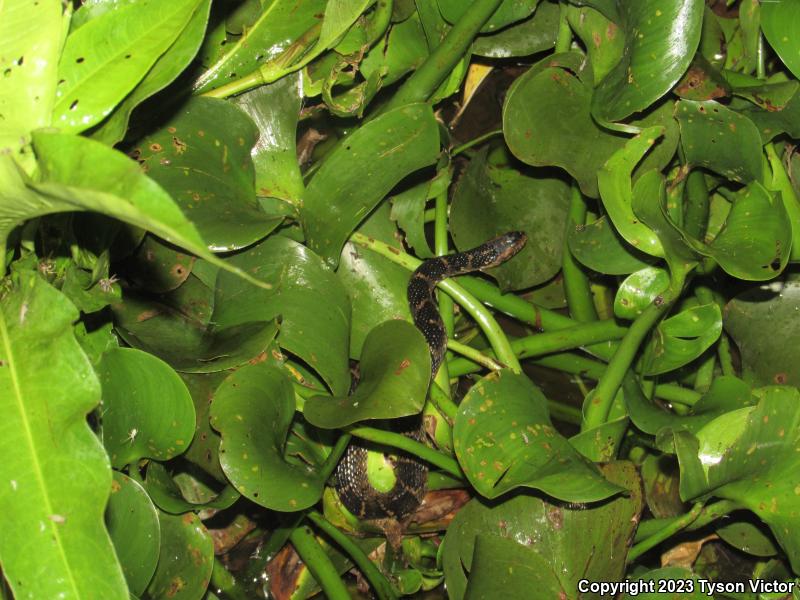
601, 37
534, 34
779, 22
30, 43
275, 109
564, 542
504, 439
132, 523
395, 372
106, 58
763, 323
659, 577
147, 410
751, 456
57, 477
81, 174
253, 410
547, 122
599, 246
509, 11
166, 68
660, 41
306, 294
614, 183
204, 449
279, 23
202, 158
719, 139
491, 201
638, 290
362, 170
185, 560
158, 267
682, 338
167, 495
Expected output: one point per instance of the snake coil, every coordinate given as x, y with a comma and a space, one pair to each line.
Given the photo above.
352, 483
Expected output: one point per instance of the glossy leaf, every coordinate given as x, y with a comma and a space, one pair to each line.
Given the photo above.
508, 12
603, 39
147, 410
279, 23
504, 440
167, 495
660, 40
106, 58
202, 158
253, 410
362, 170
719, 139
166, 68
310, 300
564, 543
534, 34
204, 449
681, 338
779, 21
185, 560
598, 246
395, 373
158, 267
30, 43
132, 523
491, 201
275, 109
547, 122
763, 323
638, 290
750, 456
57, 477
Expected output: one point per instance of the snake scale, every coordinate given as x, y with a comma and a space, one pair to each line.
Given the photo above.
355, 491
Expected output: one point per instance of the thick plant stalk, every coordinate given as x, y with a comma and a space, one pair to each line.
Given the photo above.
318, 563
576, 283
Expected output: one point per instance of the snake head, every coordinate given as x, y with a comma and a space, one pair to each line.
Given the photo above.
507, 245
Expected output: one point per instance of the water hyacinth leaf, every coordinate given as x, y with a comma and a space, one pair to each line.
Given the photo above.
607, 8
602, 38
202, 158
659, 577
509, 11
572, 543
307, 296
616, 191
204, 449
253, 410
755, 242
47, 387
751, 457
106, 58
362, 170
185, 560
719, 139
504, 440
702, 82
408, 209
279, 23
748, 534
769, 119
491, 201
599, 246
132, 523
82, 174
601, 444
158, 267
147, 410
402, 51
275, 109
763, 323
31, 37
547, 122
660, 41
638, 290
377, 287
534, 34
681, 338
395, 372
167, 495
779, 22
168, 66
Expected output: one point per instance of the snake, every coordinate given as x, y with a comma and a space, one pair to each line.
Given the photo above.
355, 491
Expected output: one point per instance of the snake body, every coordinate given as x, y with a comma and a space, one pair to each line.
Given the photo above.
352, 483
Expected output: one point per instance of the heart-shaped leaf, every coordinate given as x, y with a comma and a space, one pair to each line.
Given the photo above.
253, 410
598, 246
779, 21
638, 290
504, 439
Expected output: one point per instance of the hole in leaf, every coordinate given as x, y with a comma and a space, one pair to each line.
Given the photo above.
79, 60
73, 105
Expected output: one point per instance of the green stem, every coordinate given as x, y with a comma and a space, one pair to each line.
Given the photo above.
224, 584
599, 402
474, 142
440, 249
475, 357
443, 481
725, 356
443, 403
402, 442
382, 588
564, 39
665, 533
576, 284
549, 342
697, 205
318, 563
469, 303
440, 63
